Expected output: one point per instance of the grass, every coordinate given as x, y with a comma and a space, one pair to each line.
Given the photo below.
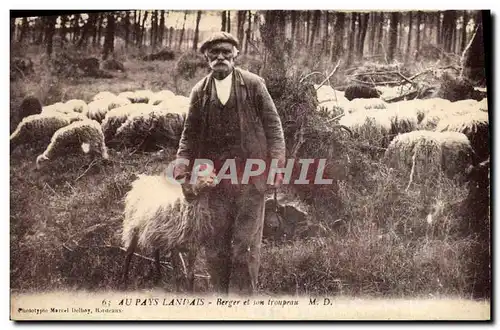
66, 219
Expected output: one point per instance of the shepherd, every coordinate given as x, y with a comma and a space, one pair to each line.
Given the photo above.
232, 116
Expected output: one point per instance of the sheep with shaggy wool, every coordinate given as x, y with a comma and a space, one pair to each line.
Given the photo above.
178, 104
86, 134
117, 116
142, 96
98, 109
483, 105
76, 105
164, 95
103, 96
151, 128
58, 107
475, 126
426, 155
157, 216
374, 125
39, 128
127, 95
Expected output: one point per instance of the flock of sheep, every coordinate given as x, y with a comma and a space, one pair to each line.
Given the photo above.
442, 130
128, 116
158, 216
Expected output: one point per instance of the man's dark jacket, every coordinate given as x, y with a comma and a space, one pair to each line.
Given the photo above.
261, 130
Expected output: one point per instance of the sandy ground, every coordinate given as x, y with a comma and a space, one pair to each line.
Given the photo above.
157, 305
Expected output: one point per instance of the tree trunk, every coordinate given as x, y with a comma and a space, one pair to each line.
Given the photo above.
248, 31
315, 27
351, 39
438, 25
325, 47
308, 26
371, 28
393, 36
161, 35
293, 17
338, 37
99, 28
474, 57
241, 25
127, 28
76, 27
24, 29
464, 30
63, 30
197, 30
228, 21
363, 27
137, 26
454, 36
143, 29
181, 38
50, 30
93, 18
85, 32
152, 29
273, 37
417, 43
447, 32
109, 39
408, 44
224, 21
357, 35
380, 39
170, 36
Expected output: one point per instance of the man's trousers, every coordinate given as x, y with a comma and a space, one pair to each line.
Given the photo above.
233, 252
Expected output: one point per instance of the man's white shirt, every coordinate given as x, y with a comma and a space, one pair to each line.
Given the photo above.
223, 88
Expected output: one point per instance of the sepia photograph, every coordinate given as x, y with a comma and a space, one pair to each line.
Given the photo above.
250, 164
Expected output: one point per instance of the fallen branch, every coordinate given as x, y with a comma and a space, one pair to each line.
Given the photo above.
434, 69
328, 77
374, 73
88, 168
310, 74
394, 82
406, 79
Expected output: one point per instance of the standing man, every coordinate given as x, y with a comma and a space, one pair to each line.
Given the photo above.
232, 116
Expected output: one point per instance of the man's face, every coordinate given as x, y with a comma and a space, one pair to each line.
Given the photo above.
220, 57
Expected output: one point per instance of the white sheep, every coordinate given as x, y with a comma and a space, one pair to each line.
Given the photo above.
158, 216
103, 95
40, 127
118, 102
150, 127
128, 95
164, 95
97, 109
58, 107
76, 105
117, 116
142, 96
86, 134
178, 104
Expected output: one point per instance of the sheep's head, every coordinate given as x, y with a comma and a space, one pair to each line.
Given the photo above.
40, 160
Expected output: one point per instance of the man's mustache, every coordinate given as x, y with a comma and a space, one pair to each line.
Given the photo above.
215, 62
